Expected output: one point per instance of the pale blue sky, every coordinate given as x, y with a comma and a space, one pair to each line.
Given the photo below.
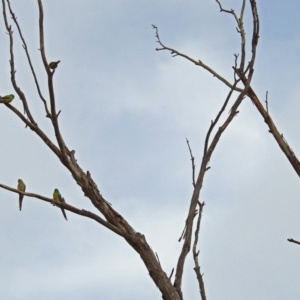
127, 110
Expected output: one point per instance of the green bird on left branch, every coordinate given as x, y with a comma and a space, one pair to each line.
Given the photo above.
7, 98
59, 199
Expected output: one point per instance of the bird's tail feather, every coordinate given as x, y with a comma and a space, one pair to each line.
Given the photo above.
20, 201
64, 213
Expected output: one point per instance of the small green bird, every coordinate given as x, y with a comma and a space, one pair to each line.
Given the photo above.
53, 64
7, 98
59, 199
21, 187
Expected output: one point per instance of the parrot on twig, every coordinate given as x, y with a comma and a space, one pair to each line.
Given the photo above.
21, 187
53, 64
59, 199
7, 98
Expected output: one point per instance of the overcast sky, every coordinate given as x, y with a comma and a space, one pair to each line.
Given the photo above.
127, 110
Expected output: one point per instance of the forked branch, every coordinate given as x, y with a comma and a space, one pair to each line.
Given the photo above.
208, 151
112, 219
26, 108
196, 62
209, 146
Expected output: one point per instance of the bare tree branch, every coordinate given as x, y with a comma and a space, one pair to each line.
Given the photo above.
12, 65
193, 162
251, 94
54, 115
70, 208
196, 62
240, 29
284, 146
30, 64
208, 151
267, 103
196, 254
215, 121
113, 220
209, 148
293, 241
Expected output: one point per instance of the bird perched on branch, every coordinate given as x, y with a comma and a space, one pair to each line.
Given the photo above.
53, 64
59, 199
7, 98
21, 187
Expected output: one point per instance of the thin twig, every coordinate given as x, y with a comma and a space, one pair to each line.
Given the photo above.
196, 62
215, 121
293, 241
171, 274
182, 234
193, 162
229, 11
240, 29
267, 106
196, 253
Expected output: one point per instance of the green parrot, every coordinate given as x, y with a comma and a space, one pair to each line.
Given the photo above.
21, 187
7, 98
53, 64
59, 199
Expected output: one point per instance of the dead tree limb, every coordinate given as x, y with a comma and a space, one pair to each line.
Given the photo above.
112, 219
